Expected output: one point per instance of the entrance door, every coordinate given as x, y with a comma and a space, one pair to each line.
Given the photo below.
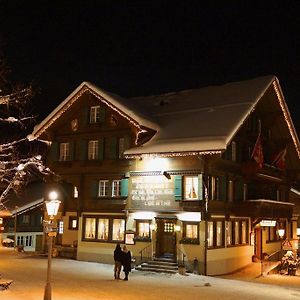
166, 238
257, 241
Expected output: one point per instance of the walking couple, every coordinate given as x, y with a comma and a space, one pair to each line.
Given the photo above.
122, 257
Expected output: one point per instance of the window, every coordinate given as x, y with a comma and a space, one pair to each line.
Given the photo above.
26, 219
229, 232
210, 234
93, 147
64, 151
73, 223
190, 233
143, 228
214, 188
191, 187
239, 232
75, 192
61, 227
121, 147
103, 188
118, 230
233, 151
94, 114
116, 188
103, 228
215, 234
90, 228
1, 221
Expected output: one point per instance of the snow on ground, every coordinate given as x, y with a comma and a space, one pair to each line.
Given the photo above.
89, 281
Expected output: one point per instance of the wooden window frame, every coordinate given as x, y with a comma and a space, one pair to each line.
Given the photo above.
94, 114
110, 232
214, 246
71, 219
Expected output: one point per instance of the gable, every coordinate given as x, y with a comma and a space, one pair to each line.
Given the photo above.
113, 102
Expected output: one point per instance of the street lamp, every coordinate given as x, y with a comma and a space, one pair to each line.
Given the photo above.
52, 206
281, 235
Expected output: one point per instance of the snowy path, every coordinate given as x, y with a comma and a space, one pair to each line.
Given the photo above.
88, 281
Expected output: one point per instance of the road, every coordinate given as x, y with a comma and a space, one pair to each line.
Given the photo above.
89, 281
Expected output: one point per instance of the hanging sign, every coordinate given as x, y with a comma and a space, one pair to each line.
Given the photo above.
286, 245
267, 223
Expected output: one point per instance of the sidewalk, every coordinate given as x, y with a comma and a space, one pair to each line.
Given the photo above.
252, 273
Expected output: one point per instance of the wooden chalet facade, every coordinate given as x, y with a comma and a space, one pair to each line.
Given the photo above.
195, 173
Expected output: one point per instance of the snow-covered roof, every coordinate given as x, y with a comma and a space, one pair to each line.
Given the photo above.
28, 206
202, 120
125, 107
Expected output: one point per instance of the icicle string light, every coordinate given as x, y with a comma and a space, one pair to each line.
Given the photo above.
287, 116
76, 97
173, 154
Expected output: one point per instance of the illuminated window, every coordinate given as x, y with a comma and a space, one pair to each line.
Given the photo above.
103, 229
191, 230
61, 227
118, 230
90, 228
75, 192
210, 234
1, 221
73, 222
229, 232
216, 234
219, 233
116, 188
191, 187
93, 150
244, 232
103, 188
236, 232
143, 228
64, 151
94, 114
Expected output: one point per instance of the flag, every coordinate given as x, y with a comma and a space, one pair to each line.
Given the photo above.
279, 160
257, 153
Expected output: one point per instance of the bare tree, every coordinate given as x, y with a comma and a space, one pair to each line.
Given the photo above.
21, 155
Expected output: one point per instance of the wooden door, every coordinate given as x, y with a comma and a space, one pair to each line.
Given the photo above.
258, 244
166, 238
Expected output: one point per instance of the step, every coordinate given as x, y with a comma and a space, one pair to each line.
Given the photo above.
161, 263
159, 270
151, 265
164, 259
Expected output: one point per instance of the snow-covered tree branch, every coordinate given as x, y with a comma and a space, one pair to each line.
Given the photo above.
21, 155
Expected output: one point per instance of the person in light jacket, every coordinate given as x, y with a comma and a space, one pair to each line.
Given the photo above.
118, 261
126, 261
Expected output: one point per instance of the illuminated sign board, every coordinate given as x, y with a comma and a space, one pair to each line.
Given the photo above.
267, 223
152, 191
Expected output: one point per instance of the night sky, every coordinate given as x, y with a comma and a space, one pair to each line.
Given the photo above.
135, 48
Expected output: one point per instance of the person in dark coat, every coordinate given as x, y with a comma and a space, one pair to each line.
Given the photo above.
118, 261
126, 261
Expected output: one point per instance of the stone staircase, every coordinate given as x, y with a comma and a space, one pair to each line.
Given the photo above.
162, 265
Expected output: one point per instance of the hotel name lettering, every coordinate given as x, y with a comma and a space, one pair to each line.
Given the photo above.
152, 191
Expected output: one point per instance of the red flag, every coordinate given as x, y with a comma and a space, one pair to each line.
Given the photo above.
257, 153
279, 160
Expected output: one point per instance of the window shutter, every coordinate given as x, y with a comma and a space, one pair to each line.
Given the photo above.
100, 149
72, 150
102, 114
83, 150
113, 148
85, 115
94, 188
239, 190
54, 151
178, 187
223, 192
124, 187
200, 186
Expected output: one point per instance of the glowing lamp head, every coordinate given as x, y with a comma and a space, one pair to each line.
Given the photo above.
52, 204
281, 232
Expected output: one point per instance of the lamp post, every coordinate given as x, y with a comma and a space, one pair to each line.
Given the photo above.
281, 235
52, 206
